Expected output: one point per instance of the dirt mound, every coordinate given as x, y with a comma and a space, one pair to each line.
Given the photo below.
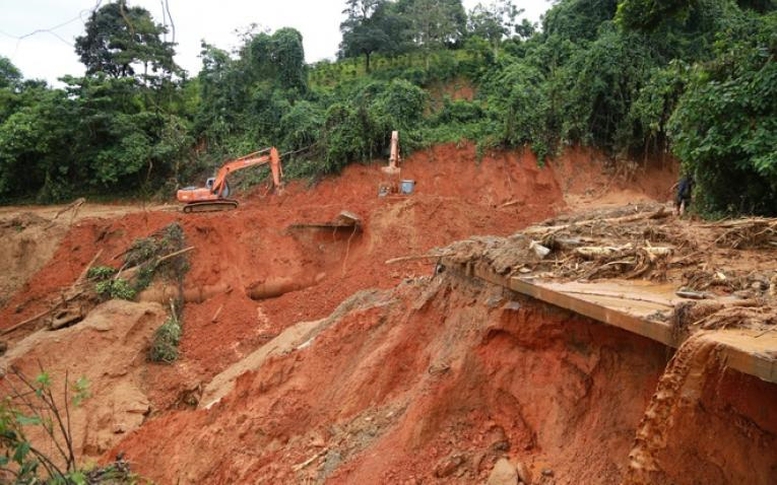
108, 349
419, 383
28, 243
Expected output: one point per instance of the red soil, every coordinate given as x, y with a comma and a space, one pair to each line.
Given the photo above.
421, 381
419, 384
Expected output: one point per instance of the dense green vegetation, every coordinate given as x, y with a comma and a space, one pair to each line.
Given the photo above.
633, 78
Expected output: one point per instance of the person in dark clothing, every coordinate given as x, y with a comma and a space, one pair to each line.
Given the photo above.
684, 191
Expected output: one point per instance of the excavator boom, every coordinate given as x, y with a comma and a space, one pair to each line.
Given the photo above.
214, 196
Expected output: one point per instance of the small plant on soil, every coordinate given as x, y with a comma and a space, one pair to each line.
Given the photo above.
151, 255
144, 260
100, 273
118, 288
31, 403
164, 348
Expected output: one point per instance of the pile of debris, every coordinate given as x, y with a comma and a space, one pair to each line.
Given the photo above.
646, 242
162, 254
643, 241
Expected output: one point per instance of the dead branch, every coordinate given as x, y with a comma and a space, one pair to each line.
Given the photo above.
417, 256
216, 315
511, 203
29, 320
83, 274
71, 294
160, 260
613, 221
300, 466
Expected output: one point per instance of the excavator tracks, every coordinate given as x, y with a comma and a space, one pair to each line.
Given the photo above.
210, 206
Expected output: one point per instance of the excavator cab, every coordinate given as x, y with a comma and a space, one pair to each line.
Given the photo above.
212, 180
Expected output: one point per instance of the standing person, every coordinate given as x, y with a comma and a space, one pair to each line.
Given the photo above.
683, 198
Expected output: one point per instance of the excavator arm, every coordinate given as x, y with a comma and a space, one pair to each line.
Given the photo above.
256, 158
213, 197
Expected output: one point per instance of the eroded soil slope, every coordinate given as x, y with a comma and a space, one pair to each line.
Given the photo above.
431, 381
306, 358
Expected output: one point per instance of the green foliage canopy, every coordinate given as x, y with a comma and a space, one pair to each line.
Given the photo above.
725, 126
119, 37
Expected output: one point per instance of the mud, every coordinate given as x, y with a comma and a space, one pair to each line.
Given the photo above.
434, 380
701, 426
305, 358
107, 350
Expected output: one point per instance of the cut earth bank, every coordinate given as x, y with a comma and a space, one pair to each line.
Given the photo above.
379, 373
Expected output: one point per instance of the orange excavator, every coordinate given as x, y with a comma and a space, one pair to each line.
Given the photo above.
214, 196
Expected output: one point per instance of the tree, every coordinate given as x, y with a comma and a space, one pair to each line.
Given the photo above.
578, 20
600, 84
371, 26
434, 23
724, 129
120, 38
10, 84
494, 22
244, 99
648, 14
36, 145
287, 55
10, 76
276, 59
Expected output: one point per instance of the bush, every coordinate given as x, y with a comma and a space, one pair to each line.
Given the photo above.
100, 273
164, 348
118, 288
31, 403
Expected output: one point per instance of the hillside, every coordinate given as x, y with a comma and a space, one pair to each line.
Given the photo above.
307, 358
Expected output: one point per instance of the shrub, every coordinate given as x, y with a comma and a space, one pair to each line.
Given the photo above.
100, 273
118, 288
164, 348
31, 402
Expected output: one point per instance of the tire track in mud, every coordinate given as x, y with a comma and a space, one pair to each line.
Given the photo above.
679, 387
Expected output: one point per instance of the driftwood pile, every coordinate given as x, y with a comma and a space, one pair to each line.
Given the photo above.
751, 233
732, 258
644, 241
692, 316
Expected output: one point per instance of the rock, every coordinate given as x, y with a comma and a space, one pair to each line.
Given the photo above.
448, 465
477, 462
504, 473
3, 347
547, 472
493, 301
497, 439
524, 474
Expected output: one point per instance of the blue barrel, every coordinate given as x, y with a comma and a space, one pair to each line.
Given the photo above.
406, 187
